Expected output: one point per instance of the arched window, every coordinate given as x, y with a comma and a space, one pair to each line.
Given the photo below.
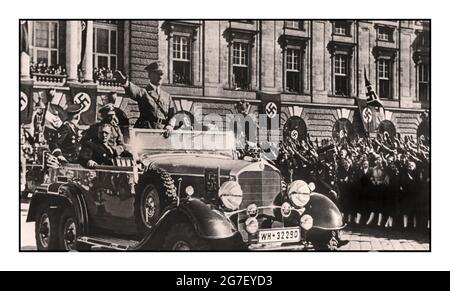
387, 126
295, 128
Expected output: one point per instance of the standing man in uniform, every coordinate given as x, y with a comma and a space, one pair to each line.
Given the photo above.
156, 106
67, 145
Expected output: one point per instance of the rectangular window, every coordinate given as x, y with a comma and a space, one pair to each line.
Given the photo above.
181, 60
384, 78
45, 50
341, 75
105, 45
342, 28
424, 81
294, 24
293, 70
385, 34
241, 70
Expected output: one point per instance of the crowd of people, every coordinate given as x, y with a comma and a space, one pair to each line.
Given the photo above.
382, 181
42, 67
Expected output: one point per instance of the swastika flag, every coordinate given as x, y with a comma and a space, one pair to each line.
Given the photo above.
87, 97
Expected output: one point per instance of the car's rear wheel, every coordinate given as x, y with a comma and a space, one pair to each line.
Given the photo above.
69, 231
182, 237
46, 229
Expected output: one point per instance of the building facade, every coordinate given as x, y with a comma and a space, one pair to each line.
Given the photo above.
316, 68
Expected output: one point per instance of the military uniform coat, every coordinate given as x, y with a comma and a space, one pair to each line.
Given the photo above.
68, 141
155, 109
97, 152
91, 134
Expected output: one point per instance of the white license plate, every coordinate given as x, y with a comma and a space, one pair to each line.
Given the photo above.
291, 234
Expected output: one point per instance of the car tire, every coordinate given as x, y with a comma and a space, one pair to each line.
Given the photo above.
149, 209
157, 189
183, 237
46, 229
69, 231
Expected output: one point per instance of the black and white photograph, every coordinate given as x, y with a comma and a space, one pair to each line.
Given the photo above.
225, 135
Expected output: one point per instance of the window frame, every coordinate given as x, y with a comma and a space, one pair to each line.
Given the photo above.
347, 28
300, 24
298, 71
48, 49
189, 53
346, 74
110, 27
245, 64
383, 30
425, 72
384, 66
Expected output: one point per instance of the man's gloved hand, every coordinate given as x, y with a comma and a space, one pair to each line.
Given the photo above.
91, 164
62, 159
120, 77
168, 132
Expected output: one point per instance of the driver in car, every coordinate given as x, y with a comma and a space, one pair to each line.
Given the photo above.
98, 151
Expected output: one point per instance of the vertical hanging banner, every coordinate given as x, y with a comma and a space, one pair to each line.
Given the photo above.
86, 95
269, 124
270, 109
26, 101
370, 107
368, 115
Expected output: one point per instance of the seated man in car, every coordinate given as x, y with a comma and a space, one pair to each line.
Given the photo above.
98, 151
108, 116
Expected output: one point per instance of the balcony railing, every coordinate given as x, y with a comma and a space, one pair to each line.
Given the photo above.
53, 74
105, 77
49, 78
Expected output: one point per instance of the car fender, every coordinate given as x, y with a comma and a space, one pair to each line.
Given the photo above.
325, 214
208, 222
60, 195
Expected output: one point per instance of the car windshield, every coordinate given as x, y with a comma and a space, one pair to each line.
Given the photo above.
145, 141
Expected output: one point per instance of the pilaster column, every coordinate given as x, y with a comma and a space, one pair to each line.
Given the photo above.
87, 65
72, 49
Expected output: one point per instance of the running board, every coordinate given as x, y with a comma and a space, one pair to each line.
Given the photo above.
110, 243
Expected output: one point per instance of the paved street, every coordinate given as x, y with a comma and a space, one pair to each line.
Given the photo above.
370, 239
363, 239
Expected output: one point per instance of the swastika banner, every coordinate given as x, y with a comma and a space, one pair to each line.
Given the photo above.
87, 97
271, 108
368, 115
26, 102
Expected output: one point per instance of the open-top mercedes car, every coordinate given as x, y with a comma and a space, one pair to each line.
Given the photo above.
185, 192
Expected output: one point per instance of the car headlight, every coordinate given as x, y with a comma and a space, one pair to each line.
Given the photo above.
306, 222
230, 193
299, 193
251, 225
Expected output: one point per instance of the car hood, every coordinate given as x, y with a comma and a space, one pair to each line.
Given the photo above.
195, 164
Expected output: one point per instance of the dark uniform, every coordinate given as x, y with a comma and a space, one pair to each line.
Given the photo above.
97, 152
156, 106
67, 141
116, 138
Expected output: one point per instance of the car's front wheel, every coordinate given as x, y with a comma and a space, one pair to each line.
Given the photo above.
182, 237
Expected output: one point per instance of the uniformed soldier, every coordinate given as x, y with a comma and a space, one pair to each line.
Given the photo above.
67, 145
53, 119
108, 116
156, 106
